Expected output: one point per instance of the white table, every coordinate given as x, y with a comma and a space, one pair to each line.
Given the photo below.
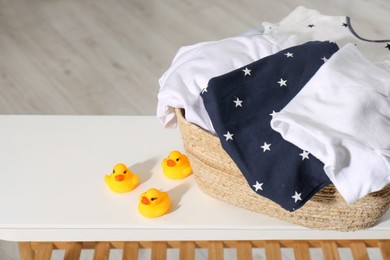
52, 187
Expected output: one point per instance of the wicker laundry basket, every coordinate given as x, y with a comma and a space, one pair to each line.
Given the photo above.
217, 175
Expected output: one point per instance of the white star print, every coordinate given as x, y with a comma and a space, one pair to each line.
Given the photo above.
258, 186
238, 102
247, 71
273, 113
305, 155
266, 147
228, 136
282, 82
297, 196
204, 89
289, 54
324, 59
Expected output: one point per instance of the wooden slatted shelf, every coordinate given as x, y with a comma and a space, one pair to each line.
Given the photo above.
43, 250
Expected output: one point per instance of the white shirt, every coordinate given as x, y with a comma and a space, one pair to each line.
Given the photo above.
193, 66
342, 117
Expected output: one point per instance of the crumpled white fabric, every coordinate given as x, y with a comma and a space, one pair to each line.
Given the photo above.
193, 66
311, 25
342, 117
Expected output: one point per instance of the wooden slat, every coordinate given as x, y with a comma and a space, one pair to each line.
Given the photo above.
26, 251
215, 250
159, 250
244, 250
187, 250
44, 251
102, 251
301, 250
359, 250
385, 249
73, 250
130, 251
272, 250
329, 248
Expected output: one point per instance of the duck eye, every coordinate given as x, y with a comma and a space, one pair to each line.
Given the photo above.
113, 171
125, 172
153, 199
177, 159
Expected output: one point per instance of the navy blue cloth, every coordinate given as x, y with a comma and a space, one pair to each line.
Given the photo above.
241, 104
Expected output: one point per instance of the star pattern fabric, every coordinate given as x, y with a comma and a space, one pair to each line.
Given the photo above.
273, 167
194, 65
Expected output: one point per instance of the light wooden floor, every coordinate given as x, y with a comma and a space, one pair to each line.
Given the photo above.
105, 57
101, 57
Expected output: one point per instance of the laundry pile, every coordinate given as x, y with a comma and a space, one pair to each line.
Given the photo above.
297, 107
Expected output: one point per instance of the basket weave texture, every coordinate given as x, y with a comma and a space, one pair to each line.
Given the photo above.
217, 175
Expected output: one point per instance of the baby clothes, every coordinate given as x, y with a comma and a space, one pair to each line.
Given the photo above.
311, 25
241, 104
193, 66
342, 117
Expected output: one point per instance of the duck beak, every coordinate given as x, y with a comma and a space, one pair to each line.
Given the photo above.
145, 200
119, 177
171, 163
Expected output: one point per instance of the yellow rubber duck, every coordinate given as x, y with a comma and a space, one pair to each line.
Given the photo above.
153, 203
121, 179
176, 166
